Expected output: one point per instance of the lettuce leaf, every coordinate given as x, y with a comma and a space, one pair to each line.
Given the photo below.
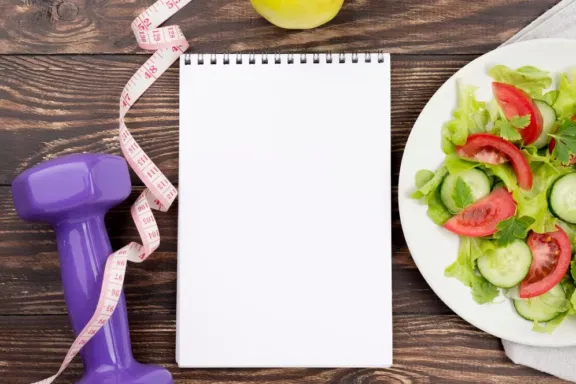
535, 155
537, 209
505, 173
455, 164
534, 203
568, 286
470, 117
550, 326
565, 104
550, 97
427, 184
530, 79
494, 110
570, 230
423, 176
464, 269
437, 212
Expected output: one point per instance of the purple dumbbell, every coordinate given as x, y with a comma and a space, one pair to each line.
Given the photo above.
73, 193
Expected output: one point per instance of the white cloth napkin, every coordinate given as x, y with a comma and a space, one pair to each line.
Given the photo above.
560, 21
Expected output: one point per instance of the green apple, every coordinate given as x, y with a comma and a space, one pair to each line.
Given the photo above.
298, 14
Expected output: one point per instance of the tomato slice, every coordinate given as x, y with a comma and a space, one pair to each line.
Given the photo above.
480, 219
515, 102
478, 143
551, 254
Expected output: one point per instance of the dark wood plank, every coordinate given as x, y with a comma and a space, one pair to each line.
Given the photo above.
427, 349
398, 26
52, 106
30, 266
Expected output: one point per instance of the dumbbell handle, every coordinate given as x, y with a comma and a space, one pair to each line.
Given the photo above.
84, 246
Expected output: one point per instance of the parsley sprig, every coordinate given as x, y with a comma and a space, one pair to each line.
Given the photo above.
512, 229
565, 139
509, 129
462, 194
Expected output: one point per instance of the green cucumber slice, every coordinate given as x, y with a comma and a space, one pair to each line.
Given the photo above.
562, 198
477, 180
549, 116
543, 308
507, 266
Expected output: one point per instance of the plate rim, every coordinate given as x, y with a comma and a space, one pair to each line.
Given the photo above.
401, 199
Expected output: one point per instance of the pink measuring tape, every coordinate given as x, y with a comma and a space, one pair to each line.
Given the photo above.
169, 43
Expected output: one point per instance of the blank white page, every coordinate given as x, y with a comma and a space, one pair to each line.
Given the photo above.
284, 234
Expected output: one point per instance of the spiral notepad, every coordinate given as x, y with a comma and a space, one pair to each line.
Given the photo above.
284, 233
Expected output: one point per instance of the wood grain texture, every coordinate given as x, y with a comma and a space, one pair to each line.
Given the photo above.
398, 26
52, 106
428, 349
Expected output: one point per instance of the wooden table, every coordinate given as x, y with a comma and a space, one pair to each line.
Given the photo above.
63, 64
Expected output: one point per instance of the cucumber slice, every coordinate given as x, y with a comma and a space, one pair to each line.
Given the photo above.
507, 266
543, 308
562, 198
477, 180
549, 116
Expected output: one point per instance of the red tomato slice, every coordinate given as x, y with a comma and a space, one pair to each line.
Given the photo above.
515, 102
480, 219
551, 254
478, 143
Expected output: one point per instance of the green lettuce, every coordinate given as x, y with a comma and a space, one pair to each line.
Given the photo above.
570, 230
470, 117
537, 209
464, 269
427, 184
423, 176
530, 79
544, 172
456, 164
550, 326
565, 104
505, 173
535, 155
568, 286
494, 110
550, 97
437, 212
534, 203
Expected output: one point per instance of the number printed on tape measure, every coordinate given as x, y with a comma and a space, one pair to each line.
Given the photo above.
169, 43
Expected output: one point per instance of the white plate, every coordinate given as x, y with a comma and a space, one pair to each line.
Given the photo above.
434, 248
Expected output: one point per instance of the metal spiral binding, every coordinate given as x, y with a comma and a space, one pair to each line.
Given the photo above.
276, 58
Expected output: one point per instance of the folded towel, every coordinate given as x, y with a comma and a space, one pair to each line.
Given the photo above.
560, 21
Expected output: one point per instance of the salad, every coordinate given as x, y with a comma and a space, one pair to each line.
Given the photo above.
507, 188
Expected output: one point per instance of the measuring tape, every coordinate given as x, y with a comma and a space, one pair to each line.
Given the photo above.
169, 43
